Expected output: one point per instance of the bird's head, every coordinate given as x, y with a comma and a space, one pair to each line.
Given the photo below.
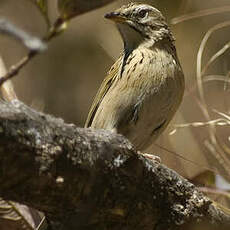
140, 20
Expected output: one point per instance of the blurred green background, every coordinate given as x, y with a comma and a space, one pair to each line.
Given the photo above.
63, 80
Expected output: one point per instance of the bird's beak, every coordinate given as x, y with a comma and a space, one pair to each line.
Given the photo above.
116, 17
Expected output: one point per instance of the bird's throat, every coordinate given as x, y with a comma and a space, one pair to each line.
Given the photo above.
132, 38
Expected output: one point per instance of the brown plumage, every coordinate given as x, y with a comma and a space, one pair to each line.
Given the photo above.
145, 86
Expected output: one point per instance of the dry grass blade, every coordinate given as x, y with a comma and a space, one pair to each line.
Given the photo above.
222, 114
216, 147
199, 75
9, 211
219, 122
214, 191
216, 77
205, 79
185, 159
215, 56
218, 192
199, 14
200, 53
220, 157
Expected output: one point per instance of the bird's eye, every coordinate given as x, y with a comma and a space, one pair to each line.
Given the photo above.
143, 13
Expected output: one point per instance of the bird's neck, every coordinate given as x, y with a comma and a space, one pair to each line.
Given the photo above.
134, 39
131, 38
156, 37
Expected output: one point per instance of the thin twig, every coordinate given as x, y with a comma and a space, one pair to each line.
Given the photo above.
199, 14
17, 67
14, 70
31, 42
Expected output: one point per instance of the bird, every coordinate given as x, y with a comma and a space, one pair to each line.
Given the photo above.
145, 86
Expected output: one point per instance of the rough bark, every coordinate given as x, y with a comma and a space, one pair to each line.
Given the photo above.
93, 179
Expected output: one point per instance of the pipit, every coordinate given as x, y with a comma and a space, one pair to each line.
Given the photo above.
145, 86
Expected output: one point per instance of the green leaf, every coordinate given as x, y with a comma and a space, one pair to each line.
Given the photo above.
72, 8
42, 5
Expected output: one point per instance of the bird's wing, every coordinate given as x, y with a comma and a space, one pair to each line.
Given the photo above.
105, 86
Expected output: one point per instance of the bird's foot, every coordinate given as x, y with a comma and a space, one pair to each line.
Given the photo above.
151, 157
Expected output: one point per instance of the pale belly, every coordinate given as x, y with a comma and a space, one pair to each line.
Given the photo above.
150, 118
143, 101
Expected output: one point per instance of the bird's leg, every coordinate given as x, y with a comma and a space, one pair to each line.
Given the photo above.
151, 157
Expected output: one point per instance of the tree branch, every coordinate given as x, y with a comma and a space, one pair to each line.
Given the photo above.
68, 10
93, 179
